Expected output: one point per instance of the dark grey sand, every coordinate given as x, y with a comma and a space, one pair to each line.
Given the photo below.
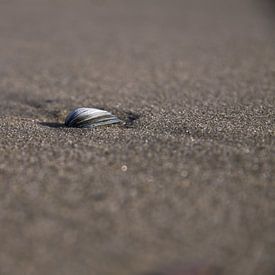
189, 181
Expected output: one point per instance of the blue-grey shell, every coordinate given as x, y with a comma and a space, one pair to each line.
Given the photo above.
89, 118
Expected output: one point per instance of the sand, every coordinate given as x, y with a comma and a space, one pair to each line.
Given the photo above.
186, 185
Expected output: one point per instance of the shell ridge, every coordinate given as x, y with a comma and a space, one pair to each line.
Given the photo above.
74, 114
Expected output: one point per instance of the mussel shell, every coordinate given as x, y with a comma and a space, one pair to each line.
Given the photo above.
90, 118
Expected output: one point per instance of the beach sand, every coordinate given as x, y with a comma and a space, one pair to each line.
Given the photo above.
186, 185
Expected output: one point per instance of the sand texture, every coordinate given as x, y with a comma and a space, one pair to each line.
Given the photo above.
186, 186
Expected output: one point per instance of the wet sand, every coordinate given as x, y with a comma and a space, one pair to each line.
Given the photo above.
186, 185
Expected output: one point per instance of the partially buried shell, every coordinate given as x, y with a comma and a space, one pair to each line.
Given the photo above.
89, 118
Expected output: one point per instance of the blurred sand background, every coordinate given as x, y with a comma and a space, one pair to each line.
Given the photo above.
188, 182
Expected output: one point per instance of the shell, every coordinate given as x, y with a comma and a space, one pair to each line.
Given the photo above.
89, 118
